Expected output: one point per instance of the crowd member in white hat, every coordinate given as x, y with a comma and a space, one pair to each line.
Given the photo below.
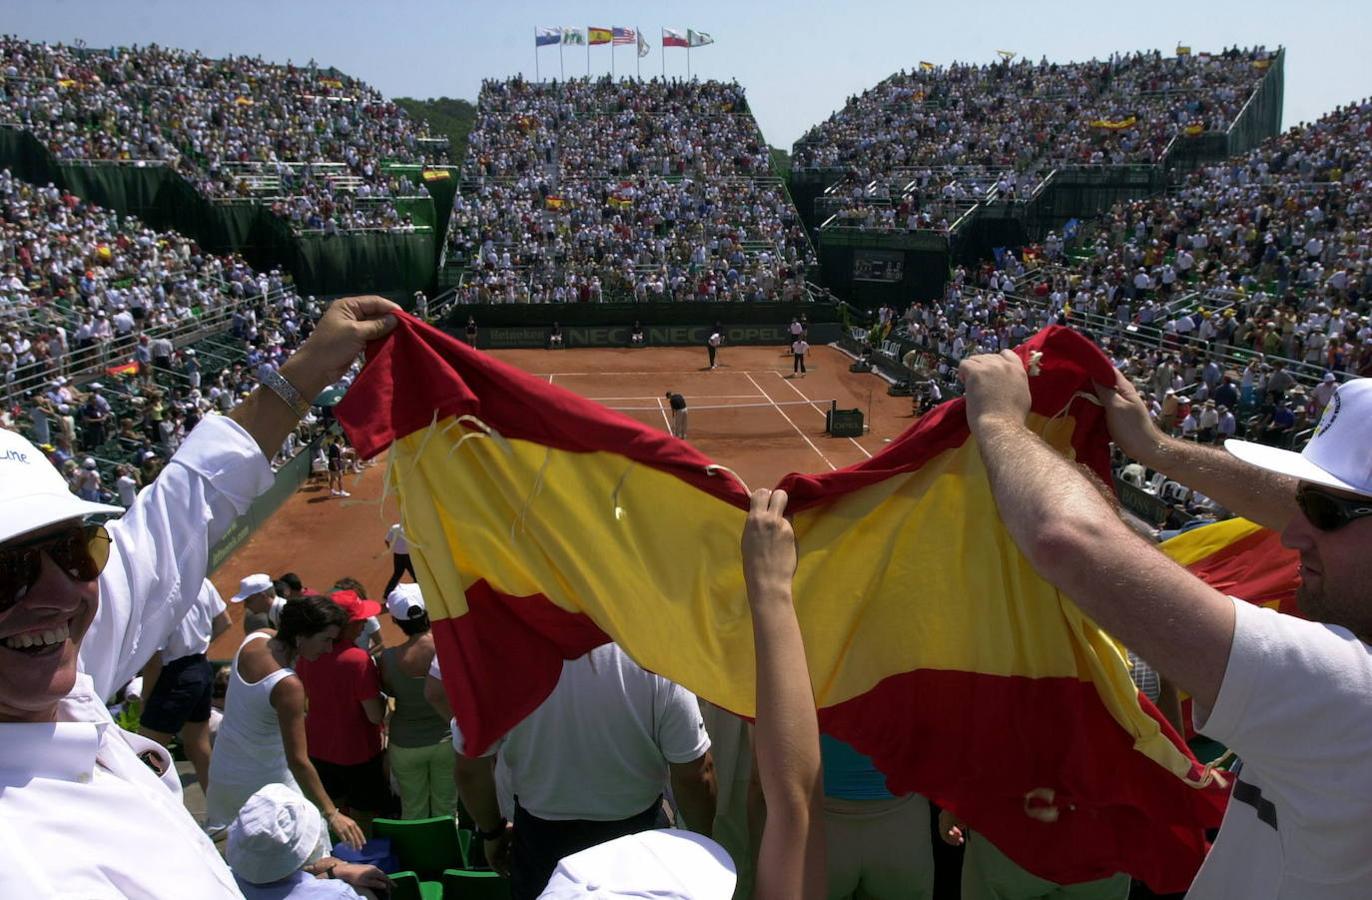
418, 749
257, 593
273, 852
87, 809
1292, 697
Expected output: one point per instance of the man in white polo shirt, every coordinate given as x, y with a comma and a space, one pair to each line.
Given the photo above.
1291, 697
589, 765
87, 809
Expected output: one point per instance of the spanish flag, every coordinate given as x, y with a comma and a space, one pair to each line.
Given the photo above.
1242, 559
926, 66
436, 174
554, 202
1194, 129
543, 525
1115, 124
599, 35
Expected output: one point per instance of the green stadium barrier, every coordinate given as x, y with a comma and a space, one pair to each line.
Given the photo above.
288, 479
320, 264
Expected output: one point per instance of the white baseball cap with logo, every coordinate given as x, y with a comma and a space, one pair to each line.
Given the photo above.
33, 494
405, 602
666, 864
1339, 454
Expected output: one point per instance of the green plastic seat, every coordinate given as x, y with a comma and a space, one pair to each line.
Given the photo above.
407, 886
424, 846
465, 884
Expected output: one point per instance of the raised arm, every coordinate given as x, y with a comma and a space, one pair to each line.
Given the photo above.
791, 861
1074, 539
1256, 494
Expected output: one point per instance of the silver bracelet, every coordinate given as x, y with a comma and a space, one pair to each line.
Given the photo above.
286, 391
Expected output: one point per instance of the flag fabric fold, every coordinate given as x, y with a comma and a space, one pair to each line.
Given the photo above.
643, 47
673, 37
624, 35
547, 34
599, 35
1242, 559
542, 525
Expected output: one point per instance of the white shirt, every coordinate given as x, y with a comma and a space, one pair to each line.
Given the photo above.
193, 634
599, 746
799, 348
396, 538
80, 814
1296, 706
715, 339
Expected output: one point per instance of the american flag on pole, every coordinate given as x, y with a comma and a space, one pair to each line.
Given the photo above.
625, 36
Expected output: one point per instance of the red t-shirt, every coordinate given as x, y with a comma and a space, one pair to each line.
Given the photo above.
336, 725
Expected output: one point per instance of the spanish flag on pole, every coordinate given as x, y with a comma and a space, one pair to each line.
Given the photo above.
542, 525
600, 35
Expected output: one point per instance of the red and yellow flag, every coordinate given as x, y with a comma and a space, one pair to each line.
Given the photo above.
599, 35
542, 525
1242, 559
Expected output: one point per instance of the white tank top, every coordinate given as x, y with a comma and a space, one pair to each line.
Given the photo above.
248, 752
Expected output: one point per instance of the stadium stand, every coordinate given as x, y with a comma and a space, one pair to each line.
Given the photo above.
593, 189
312, 144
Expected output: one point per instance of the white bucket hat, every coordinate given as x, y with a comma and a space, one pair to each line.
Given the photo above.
253, 584
664, 865
275, 833
1339, 455
33, 494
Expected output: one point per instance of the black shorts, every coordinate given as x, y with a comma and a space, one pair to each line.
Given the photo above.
182, 694
362, 786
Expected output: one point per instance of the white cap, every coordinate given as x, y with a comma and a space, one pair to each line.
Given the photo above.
402, 601
253, 584
665, 865
33, 494
1339, 456
275, 833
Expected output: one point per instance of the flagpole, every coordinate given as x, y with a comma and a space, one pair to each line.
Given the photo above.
561, 74
612, 56
537, 76
688, 58
638, 57
664, 53
588, 53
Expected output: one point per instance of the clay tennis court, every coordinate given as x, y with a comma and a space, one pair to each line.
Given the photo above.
748, 414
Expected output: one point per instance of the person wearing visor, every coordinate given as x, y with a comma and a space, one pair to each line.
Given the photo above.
87, 809
1292, 697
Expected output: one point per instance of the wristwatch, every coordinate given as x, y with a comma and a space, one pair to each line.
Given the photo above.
495, 832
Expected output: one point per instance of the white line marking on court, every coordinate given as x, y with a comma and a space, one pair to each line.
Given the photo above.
551, 377
662, 409
819, 409
802, 434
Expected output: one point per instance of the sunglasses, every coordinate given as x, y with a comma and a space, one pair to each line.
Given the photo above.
80, 551
1327, 512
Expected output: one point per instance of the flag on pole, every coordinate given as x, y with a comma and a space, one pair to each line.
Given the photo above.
643, 47
1183, 50
547, 34
697, 38
600, 35
536, 527
573, 36
926, 66
672, 37
625, 36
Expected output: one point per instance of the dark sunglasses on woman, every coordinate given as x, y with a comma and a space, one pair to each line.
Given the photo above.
79, 550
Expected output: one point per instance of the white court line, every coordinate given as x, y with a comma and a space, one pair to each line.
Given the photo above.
819, 409
662, 409
803, 435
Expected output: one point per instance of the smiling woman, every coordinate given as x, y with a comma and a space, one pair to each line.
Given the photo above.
87, 809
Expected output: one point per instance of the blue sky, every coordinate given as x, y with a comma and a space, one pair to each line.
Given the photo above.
798, 61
